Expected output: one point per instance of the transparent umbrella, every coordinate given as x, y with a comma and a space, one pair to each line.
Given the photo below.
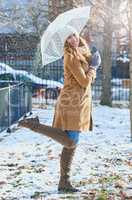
52, 41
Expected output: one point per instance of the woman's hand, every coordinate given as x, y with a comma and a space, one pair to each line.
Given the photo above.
96, 60
92, 71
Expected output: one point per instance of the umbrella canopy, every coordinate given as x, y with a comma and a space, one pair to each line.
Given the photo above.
52, 41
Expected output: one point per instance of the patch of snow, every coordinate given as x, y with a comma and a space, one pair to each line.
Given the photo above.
29, 162
123, 59
116, 82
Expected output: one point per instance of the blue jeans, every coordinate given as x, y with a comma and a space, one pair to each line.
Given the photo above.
74, 135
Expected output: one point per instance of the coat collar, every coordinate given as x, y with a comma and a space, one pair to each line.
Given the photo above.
82, 53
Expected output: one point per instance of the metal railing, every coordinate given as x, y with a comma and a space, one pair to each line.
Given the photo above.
48, 93
15, 102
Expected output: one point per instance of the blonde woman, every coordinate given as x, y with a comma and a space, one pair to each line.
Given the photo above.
73, 110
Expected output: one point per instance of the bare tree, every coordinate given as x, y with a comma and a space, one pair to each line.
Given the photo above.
38, 14
111, 26
107, 58
32, 17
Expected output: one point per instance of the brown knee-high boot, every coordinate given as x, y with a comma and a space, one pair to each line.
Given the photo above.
65, 167
54, 133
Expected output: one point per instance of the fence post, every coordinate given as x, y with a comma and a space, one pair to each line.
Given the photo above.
9, 110
29, 100
18, 101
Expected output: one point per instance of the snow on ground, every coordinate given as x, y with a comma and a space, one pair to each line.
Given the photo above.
102, 166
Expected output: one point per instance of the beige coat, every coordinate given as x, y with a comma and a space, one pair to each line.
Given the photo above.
73, 110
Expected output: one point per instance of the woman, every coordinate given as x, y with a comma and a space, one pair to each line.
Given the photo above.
73, 108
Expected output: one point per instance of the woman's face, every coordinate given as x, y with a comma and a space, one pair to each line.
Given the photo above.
73, 40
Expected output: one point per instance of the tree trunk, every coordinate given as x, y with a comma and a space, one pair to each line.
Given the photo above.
56, 7
107, 59
130, 42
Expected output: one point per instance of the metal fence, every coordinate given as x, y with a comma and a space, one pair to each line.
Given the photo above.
47, 88
18, 59
15, 101
48, 94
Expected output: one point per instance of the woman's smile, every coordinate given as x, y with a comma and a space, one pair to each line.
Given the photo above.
73, 40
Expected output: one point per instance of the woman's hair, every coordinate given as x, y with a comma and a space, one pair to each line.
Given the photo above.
85, 56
